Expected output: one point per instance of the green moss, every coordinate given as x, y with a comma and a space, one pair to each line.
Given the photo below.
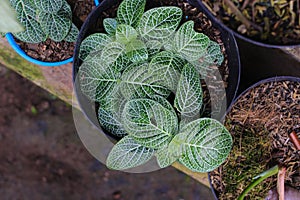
18, 64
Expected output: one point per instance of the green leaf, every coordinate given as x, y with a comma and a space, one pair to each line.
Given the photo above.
149, 123
190, 44
165, 157
56, 25
153, 47
167, 67
159, 23
110, 112
213, 54
72, 35
26, 14
49, 6
110, 25
138, 81
111, 52
188, 98
9, 21
94, 42
136, 51
205, 143
97, 79
125, 34
130, 12
127, 153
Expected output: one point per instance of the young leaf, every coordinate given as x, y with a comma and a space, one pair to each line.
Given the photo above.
72, 35
94, 42
188, 98
49, 6
167, 67
110, 25
213, 54
130, 12
125, 34
149, 123
127, 153
56, 25
136, 51
206, 145
9, 21
110, 112
190, 44
159, 23
138, 82
27, 16
97, 79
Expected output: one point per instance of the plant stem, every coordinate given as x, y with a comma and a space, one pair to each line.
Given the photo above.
280, 183
294, 138
258, 179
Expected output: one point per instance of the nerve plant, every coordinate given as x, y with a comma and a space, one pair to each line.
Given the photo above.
145, 75
44, 19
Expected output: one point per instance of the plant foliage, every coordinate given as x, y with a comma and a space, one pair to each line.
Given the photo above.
44, 19
134, 69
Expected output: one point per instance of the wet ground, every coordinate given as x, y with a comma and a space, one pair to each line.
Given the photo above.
41, 156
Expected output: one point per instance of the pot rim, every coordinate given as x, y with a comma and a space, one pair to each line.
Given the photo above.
23, 54
240, 36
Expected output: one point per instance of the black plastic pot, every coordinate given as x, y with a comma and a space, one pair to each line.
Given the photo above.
268, 80
238, 35
91, 26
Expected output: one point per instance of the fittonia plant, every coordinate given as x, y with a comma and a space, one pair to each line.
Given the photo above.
44, 19
133, 69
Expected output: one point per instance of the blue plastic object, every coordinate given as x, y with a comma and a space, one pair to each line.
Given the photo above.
17, 48
96, 2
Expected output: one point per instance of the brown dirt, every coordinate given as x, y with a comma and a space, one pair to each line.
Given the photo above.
51, 51
41, 156
260, 123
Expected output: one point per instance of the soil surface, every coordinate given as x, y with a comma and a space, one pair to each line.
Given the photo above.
41, 156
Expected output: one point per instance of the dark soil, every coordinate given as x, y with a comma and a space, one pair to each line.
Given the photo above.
51, 51
260, 123
272, 22
41, 156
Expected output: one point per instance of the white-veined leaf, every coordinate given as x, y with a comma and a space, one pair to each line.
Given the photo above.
153, 47
50, 6
213, 54
138, 81
127, 153
167, 67
111, 52
136, 51
110, 112
72, 35
110, 25
165, 157
190, 44
188, 98
125, 33
149, 122
130, 12
9, 21
206, 145
159, 23
97, 79
94, 42
56, 25
26, 14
